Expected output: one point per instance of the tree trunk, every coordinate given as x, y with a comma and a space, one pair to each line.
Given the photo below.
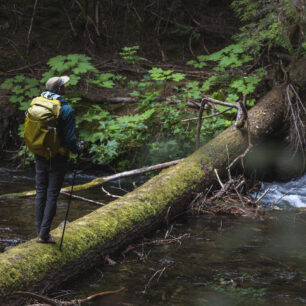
30, 266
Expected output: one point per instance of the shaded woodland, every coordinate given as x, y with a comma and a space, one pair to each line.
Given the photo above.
152, 82
155, 58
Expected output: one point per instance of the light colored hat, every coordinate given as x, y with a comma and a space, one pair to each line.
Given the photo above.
55, 83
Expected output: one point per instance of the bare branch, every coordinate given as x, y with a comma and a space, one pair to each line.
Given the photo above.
109, 194
199, 125
82, 198
31, 25
101, 180
209, 116
217, 175
214, 101
295, 113
160, 272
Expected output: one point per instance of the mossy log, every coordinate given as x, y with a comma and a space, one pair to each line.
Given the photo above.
31, 266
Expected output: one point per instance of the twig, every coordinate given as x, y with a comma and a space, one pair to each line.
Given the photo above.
262, 196
242, 114
160, 272
163, 241
74, 33
101, 180
168, 231
109, 194
214, 101
204, 46
82, 198
163, 55
239, 196
99, 294
190, 43
209, 116
240, 184
297, 127
199, 125
241, 156
97, 16
217, 175
31, 25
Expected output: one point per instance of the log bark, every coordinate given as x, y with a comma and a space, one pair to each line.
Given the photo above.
31, 266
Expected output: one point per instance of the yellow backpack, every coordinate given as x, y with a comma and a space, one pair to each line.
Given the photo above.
40, 132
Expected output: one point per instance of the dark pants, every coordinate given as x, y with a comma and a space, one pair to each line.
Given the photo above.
49, 179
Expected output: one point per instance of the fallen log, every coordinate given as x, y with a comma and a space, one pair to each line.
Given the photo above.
31, 266
130, 100
97, 181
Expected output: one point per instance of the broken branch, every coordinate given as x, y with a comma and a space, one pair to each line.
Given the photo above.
99, 180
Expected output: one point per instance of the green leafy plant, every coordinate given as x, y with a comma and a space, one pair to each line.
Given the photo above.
74, 65
108, 137
129, 54
154, 121
229, 73
23, 90
24, 153
106, 80
158, 74
271, 24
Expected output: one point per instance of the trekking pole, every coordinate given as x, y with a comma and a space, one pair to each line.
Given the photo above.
69, 201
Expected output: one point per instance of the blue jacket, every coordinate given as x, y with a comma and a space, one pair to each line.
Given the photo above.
65, 122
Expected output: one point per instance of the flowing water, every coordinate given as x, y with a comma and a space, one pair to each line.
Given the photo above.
285, 195
218, 260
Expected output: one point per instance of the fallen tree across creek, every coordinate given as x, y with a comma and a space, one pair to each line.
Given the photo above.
39, 268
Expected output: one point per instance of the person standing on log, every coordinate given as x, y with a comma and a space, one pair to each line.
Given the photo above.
50, 135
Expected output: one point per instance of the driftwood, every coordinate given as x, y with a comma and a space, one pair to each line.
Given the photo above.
30, 266
96, 182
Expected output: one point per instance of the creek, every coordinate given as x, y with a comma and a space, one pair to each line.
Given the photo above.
220, 260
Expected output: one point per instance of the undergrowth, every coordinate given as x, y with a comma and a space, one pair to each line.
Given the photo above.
158, 123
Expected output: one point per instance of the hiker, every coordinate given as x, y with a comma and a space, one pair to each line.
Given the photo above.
51, 154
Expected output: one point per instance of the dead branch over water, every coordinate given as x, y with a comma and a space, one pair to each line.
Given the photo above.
98, 181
